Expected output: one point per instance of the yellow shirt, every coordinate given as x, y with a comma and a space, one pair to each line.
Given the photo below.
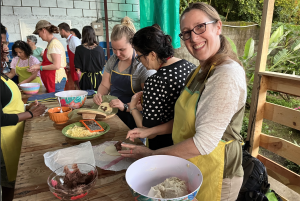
55, 47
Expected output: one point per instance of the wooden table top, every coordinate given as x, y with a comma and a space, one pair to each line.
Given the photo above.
25, 97
42, 135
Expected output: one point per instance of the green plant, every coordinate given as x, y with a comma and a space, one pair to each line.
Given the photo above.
292, 166
244, 127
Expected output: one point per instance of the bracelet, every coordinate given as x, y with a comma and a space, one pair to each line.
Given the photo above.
41, 68
133, 109
30, 113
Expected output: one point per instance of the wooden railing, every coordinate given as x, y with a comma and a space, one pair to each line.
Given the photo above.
289, 84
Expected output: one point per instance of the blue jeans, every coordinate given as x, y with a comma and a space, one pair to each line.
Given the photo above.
61, 85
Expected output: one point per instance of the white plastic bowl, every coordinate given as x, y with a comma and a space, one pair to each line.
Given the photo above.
152, 170
72, 98
30, 88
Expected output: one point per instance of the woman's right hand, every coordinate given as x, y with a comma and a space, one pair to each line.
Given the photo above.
139, 133
97, 99
38, 110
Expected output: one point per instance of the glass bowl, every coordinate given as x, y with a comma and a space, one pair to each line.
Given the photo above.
58, 187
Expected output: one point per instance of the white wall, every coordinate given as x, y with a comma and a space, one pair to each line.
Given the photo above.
80, 12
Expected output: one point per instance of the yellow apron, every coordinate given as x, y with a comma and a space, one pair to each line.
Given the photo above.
211, 165
11, 136
23, 74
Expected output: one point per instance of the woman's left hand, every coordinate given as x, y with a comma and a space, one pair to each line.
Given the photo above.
135, 151
33, 68
135, 99
116, 103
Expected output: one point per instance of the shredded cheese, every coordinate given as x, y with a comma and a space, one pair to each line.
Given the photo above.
78, 131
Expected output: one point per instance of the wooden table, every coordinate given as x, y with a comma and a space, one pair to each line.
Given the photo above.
42, 135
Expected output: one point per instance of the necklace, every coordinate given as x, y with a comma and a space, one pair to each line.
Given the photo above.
167, 60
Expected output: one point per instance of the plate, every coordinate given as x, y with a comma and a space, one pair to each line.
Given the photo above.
107, 99
104, 125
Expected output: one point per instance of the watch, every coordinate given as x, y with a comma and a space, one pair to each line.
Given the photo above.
125, 107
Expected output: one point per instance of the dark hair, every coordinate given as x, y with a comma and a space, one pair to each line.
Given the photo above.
64, 26
77, 33
3, 29
23, 46
88, 36
51, 29
150, 39
3, 59
156, 26
225, 49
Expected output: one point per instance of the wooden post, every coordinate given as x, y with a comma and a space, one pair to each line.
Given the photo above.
259, 88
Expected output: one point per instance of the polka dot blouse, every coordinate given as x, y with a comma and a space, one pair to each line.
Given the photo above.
161, 91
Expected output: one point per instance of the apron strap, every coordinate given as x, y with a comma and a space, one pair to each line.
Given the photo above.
18, 62
193, 76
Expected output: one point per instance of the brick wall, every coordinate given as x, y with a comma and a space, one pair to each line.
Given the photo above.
80, 12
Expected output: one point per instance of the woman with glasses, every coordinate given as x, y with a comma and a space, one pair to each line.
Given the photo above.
123, 76
155, 51
209, 112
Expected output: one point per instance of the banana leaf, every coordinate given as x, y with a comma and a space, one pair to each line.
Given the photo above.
276, 35
249, 49
296, 45
279, 57
233, 46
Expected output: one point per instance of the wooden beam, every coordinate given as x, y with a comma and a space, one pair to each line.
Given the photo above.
280, 147
282, 115
280, 173
284, 83
259, 97
258, 116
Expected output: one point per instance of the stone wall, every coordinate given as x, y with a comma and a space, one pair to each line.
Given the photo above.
236, 32
80, 12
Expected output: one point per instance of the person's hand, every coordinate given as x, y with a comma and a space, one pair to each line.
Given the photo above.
38, 110
34, 68
135, 151
135, 99
21, 83
139, 133
34, 104
42, 53
97, 99
117, 103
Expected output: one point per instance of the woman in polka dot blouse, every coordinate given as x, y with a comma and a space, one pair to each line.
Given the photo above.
154, 50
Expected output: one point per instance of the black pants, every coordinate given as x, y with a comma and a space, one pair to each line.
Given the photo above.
127, 118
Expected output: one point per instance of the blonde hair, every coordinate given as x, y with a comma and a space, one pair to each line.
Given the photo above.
225, 49
126, 28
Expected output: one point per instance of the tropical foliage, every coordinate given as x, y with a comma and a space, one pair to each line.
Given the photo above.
287, 11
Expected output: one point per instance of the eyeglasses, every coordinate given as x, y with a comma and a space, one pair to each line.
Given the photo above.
138, 57
198, 29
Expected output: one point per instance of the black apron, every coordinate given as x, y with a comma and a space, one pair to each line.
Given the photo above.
121, 87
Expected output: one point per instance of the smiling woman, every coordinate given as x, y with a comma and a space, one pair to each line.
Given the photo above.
21, 62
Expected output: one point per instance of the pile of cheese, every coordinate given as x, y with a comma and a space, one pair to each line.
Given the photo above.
78, 131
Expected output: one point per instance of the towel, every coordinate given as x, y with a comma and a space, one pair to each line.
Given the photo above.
50, 97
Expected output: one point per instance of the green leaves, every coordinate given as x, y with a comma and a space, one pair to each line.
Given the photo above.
276, 34
232, 44
249, 49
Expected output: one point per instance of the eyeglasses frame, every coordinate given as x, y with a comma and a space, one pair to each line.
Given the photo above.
190, 31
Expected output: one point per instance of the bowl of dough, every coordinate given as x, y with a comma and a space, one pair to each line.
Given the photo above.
72, 98
72, 182
163, 178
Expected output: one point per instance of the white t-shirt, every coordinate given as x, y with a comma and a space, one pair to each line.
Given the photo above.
73, 42
224, 95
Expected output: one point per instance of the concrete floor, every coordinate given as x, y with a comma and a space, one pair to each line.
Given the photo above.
284, 191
